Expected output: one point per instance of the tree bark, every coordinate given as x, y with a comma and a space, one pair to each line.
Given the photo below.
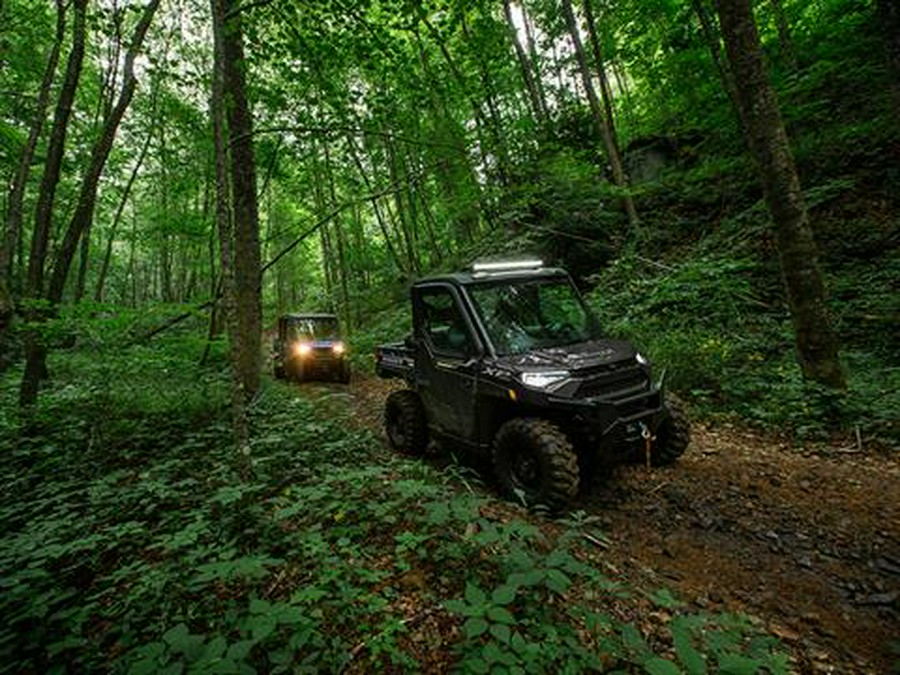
524, 65
15, 207
247, 277
599, 63
711, 35
535, 60
816, 343
35, 350
612, 153
87, 198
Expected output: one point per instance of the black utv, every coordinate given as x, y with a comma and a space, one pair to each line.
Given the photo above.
507, 360
309, 346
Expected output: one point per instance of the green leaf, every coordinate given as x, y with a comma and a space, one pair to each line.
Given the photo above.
474, 627
503, 595
261, 627
474, 595
664, 598
690, 658
500, 632
215, 649
557, 581
735, 664
501, 615
658, 666
239, 650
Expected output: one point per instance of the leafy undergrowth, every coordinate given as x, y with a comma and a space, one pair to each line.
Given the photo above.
131, 545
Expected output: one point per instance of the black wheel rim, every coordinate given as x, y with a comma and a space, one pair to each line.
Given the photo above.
525, 471
395, 430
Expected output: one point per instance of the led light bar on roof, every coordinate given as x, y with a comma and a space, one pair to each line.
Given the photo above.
507, 266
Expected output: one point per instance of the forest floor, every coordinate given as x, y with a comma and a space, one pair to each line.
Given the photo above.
807, 539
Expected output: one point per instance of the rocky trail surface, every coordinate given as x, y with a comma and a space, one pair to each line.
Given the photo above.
806, 540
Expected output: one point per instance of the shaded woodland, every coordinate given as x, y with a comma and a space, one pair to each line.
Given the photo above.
720, 177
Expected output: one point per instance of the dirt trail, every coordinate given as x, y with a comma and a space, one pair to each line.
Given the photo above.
807, 541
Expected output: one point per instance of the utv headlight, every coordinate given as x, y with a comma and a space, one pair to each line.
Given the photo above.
303, 349
544, 379
640, 358
338, 348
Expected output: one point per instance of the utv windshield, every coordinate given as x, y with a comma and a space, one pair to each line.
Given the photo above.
521, 316
310, 330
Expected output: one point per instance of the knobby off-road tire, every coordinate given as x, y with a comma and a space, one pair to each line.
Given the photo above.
344, 373
534, 458
673, 436
405, 423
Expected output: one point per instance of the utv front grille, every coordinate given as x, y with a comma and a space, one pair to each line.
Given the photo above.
615, 384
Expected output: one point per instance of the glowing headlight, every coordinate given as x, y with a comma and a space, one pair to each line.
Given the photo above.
303, 349
338, 348
544, 379
640, 358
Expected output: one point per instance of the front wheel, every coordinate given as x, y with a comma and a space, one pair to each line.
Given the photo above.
674, 434
535, 461
405, 423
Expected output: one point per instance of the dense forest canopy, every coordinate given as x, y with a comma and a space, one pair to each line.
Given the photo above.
720, 177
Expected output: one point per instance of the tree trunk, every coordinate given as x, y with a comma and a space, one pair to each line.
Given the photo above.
711, 35
888, 15
35, 350
15, 207
83, 263
535, 60
612, 153
524, 65
605, 90
247, 276
120, 209
784, 35
87, 198
816, 344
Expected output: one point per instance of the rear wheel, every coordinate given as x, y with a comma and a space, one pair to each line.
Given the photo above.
404, 421
534, 460
674, 434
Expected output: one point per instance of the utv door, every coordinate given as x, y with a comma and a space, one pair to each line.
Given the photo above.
447, 373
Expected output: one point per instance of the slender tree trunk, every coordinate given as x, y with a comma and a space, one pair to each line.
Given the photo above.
120, 209
87, 199
888, 15
379, 217
35, 349
15, 210
612, 153
816, 343
524, 66
83, 264
535, 60
711, 35
247, 275
605, 90
784, 35
338, 236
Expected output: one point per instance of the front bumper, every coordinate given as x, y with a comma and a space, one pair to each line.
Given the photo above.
612, 424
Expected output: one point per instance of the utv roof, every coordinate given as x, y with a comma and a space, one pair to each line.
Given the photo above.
479, 277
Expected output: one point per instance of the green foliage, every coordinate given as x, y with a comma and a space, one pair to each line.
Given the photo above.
131, 543
731, 351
